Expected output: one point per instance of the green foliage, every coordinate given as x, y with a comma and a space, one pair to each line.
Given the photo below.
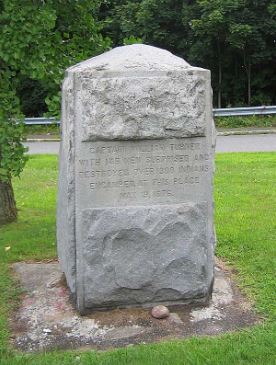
38, 41
246, 121
131, 40
32, 95
52, 130
12, 159
234, 39
156, 22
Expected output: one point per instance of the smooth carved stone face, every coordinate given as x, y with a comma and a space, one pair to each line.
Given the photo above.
119, 173
135, 204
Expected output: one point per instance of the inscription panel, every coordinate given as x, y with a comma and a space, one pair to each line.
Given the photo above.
120, 173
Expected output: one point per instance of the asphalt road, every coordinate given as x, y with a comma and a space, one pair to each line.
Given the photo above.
246, 143
240, 143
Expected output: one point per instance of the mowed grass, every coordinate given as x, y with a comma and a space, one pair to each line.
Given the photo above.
251, 121
245, 218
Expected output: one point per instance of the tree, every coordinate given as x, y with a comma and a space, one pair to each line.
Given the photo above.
240, 37
211, 30
252, 36
156, 22
12, 159
235, 39
38, 41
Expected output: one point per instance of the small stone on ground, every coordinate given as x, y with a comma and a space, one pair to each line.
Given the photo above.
160, 312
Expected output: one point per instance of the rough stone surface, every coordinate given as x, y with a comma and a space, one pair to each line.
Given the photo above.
145, 107
143, 254
135, 205
160, 312
139, 92
46, 319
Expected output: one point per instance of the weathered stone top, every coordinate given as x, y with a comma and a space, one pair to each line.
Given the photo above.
138, 57
140, 92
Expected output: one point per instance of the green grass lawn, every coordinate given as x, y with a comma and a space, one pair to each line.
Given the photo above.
245, 198
51, 129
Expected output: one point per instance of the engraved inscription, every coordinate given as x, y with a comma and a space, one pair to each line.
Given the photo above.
142, 171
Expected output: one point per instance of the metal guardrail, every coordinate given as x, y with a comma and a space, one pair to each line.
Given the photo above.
223, 112
254, 110
41, 121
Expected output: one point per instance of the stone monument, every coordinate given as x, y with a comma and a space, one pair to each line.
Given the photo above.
135, 200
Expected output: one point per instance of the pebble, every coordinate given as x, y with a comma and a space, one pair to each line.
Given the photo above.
160, 312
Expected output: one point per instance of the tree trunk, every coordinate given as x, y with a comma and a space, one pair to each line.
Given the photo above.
219, 88
8, 212
249, 83
247, 66
219, 76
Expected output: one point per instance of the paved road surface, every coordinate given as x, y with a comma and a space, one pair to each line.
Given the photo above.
245, 143
42, 147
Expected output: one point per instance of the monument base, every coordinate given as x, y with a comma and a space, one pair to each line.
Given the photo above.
46, 319
150, 255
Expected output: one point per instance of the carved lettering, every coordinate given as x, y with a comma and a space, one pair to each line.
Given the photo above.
143, 171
